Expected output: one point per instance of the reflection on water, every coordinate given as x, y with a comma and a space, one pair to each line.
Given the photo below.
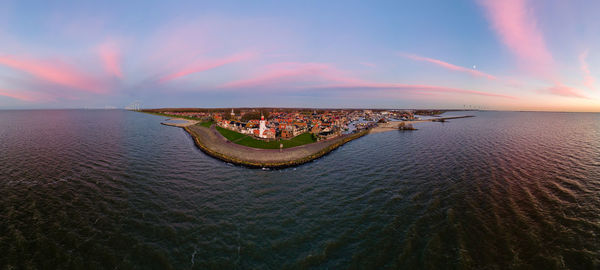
115, 189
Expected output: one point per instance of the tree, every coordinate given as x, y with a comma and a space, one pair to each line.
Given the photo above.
254, 116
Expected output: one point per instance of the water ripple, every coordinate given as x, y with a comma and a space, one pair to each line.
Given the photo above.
115, 189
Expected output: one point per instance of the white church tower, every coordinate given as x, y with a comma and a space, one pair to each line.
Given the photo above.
263, 127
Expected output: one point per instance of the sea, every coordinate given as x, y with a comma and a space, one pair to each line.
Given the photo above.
115, 189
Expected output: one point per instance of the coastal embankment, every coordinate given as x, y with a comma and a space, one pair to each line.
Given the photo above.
393, 125
181, 122
213, 143
210, 141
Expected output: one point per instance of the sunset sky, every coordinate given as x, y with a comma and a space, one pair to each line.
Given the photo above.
505, 55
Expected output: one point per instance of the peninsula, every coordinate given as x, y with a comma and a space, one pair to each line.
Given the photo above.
286, 137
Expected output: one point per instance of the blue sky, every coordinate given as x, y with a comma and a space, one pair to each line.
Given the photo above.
507, 55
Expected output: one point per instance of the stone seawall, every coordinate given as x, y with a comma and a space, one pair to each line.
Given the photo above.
210, 141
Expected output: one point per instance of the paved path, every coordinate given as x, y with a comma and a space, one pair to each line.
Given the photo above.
214, 141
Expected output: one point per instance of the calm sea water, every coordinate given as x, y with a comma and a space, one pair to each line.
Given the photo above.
115, 189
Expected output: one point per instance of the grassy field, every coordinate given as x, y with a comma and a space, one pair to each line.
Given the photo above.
206, 124
246, 140
230, 134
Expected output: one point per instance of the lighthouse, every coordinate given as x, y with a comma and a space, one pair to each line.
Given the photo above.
263, 127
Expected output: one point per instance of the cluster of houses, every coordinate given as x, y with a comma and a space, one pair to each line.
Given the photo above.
285, 124
257, 128
323, 124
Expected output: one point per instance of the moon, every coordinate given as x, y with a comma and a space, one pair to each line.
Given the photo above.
474, 67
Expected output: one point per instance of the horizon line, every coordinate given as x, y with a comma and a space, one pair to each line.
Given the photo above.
312, 108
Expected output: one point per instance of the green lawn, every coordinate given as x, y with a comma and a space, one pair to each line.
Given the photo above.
230, 134
246, 140
206, 124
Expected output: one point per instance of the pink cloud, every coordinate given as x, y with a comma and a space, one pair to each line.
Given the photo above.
54, 72
324, 76
563, 90
515, 24
417, 88
449, 66
21, 95
588, 80
111, 59
203, 66
286, 72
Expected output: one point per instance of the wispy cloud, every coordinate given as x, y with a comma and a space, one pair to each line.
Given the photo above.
588, 79
325, 76
55, 72
22, 95
562, 90
449, 66
516, 26
287, 74
417, 88
110, 56
200, 66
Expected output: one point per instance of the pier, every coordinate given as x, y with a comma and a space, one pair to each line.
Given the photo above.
395, 125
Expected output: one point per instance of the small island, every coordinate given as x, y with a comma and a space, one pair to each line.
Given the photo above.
286, 137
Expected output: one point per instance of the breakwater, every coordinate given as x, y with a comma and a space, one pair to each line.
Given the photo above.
395, 125
215, 145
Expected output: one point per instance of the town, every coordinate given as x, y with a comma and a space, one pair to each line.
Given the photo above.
271, 124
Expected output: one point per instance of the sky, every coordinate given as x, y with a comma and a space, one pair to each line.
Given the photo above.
497, 55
